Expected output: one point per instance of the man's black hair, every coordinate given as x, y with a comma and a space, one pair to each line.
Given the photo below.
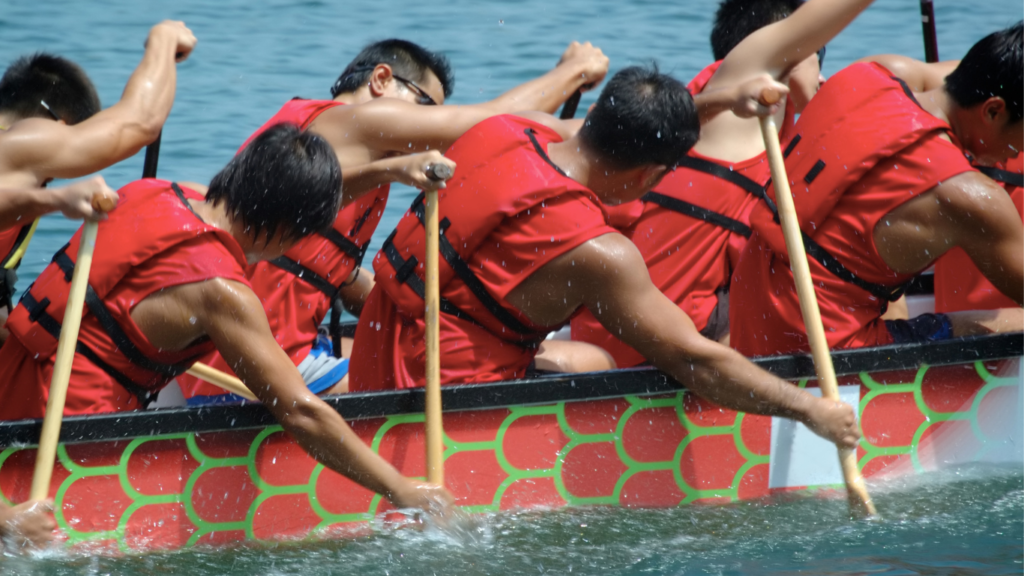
59, 82
642, 117
992, 67
737, 19
286, 179
408, 60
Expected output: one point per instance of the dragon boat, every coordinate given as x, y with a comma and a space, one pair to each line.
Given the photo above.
220, 475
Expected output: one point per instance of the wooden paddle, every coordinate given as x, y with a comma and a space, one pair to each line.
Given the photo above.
569, 108
856, 490
224, 380
66, 344
931, 41
432, 296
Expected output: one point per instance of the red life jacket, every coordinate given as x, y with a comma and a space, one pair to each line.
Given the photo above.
503, 172
322, 263
156, 217
959, 285
690, 230
861, 117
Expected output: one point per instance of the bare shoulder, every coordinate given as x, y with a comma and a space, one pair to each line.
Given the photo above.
214, 297
566, 129
970, 193
920, 76
603, 259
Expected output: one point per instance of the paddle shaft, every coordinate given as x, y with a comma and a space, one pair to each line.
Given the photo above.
47, 451
432, 296
222, 379
931, 40
569, 108
855, 487
152, 157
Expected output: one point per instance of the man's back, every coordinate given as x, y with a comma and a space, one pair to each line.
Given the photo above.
506, 218
868, 197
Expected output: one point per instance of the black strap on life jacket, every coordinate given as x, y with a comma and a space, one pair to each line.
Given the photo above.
698, 212
884, 293
324, 285
1004, 176
705, 214
404, 274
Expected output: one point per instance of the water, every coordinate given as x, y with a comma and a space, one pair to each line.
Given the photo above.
253, 56
958, 522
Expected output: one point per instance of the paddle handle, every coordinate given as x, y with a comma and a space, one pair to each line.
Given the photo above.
931, 40
152, 157
222, 379
569, 108
432, 296
47, 450
809, 303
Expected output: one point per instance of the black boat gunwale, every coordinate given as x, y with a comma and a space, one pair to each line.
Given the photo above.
542, 390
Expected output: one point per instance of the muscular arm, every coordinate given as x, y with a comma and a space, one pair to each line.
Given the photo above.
55, 150
389, 125
608, 276
968, 210
920, 76
231, 315
778, 47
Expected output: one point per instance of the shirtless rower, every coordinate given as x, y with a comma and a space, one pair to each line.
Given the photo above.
880, 205
527, 244
959, 285
52, 125
177, 289
386, 103
691, 227
387, 124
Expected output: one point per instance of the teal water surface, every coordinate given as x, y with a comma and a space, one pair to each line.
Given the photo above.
961, 522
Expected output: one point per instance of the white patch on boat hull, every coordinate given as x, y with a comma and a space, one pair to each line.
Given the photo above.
800, 457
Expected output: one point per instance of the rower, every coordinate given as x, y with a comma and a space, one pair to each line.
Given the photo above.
959, 285
691, 227
879, 206
168, 285
386, 104
52, 127
525, 244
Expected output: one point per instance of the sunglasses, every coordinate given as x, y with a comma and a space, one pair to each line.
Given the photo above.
49, 111
422, 97
821, 57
